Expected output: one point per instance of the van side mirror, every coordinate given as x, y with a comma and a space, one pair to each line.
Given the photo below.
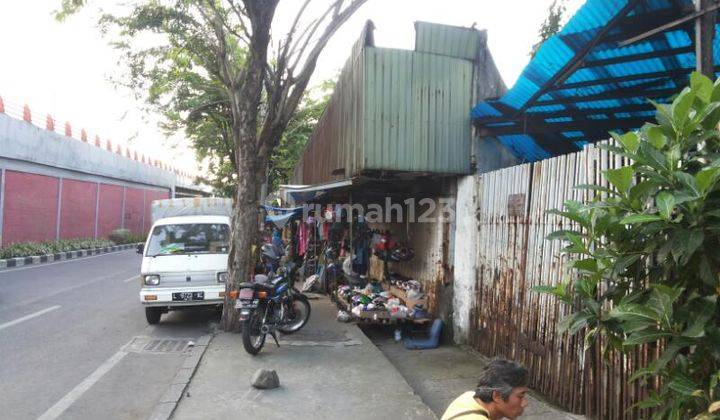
140, 248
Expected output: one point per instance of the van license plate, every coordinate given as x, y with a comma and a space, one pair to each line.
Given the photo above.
188, 296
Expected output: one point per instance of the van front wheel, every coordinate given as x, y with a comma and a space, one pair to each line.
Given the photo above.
152, 314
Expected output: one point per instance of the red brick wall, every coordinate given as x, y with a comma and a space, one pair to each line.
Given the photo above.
110, 211
77, 212
134, 212
30, 207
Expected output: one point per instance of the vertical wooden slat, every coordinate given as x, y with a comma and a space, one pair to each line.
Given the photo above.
513, 255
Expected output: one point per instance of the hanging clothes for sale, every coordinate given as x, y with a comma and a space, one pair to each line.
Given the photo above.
362, 238
303, 238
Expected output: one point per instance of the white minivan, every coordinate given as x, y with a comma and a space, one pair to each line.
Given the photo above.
184, 263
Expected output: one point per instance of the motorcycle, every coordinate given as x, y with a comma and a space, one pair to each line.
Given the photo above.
266, 308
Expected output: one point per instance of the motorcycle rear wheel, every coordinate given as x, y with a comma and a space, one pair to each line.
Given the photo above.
253, 340
301, 315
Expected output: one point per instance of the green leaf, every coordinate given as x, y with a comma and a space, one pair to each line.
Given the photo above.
652, 157
588, 264
650, 402
682, 384
685, 243
640, 218
663, 114
641, 373
661, 300
688, 182
561, 234
559, 291
641, 337
620, 178
701, 85
635, 317
599, 188
655, 137
575, 322
665, 203
643, 190
706, 179
622, 263
702, 313
709, 116
681, 107
628, 140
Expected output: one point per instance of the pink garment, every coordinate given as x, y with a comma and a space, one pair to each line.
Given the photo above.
303, 237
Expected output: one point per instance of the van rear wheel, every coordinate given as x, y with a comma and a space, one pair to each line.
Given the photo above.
153, 314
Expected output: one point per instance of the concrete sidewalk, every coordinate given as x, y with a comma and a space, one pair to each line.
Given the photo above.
329, 370
438, 376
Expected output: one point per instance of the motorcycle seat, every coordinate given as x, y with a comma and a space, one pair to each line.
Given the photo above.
256, 286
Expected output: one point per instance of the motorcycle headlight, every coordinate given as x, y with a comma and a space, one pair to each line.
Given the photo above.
152, 280
222, 277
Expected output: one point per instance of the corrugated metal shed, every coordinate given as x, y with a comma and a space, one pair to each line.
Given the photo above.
397, 110
415, 115
447, 40
595, 76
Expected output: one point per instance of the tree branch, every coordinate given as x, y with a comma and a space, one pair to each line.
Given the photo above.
293, 88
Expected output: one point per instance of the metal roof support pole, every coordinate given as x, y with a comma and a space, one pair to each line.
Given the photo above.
704, 36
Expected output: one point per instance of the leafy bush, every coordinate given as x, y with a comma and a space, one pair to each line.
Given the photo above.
124, 236
29, 249
647, 254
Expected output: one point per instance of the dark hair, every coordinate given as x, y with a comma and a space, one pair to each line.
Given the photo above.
502, 376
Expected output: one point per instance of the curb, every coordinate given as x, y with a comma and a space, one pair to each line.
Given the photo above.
168, 403
67, 255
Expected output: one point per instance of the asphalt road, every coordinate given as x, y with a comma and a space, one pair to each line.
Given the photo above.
74, 342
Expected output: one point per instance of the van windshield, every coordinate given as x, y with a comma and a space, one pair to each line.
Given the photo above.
194, 238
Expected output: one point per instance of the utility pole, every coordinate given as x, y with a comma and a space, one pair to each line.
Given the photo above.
704, 37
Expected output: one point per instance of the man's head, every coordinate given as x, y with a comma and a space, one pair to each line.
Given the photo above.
503, 385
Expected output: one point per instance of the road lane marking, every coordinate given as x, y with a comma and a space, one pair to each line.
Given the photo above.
27, 317
60, 291
136, 277
56, 410
28, 267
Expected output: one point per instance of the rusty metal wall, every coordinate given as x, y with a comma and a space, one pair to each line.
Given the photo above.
510, 320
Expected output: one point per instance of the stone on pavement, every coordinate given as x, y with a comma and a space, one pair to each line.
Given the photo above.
265, 379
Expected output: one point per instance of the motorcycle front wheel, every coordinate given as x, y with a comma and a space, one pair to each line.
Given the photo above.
298, 313
253, 340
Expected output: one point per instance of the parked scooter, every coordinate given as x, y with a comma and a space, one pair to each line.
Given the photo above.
266, 308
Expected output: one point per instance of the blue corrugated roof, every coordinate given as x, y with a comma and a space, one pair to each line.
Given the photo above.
582, 83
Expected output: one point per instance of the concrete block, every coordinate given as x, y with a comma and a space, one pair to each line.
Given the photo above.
36, 260
19, 262
173, 393
3, 264
204, 340
183, 376
192, 360
163, 411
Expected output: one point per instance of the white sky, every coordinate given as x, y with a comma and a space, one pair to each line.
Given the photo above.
63, 68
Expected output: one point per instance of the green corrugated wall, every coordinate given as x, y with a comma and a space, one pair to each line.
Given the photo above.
416, 111
446, 40
397, 110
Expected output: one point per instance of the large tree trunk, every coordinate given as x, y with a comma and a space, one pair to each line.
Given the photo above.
244, 233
